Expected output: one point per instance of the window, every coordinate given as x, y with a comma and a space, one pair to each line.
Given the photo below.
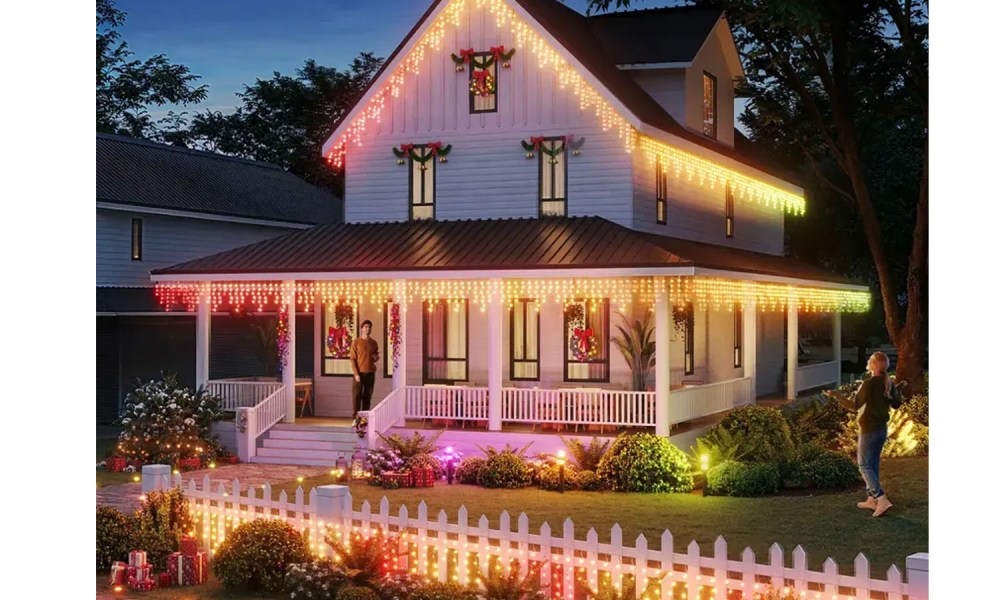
340, 327
738, 336
136, 239
710, 125
586, 326
730, 211
481, 82
552, 177
661, 193
524, 322
386, 342
421, 183
689, 339
446, 341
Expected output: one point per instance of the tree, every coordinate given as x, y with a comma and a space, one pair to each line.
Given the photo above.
126, 87
285, 120
828, 81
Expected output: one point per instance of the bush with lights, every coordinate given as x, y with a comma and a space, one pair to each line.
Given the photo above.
160, 521
470, 470
255, 556
505, 468
115, 536
644, 462
163, 422
365, 561
436, 590
317, 579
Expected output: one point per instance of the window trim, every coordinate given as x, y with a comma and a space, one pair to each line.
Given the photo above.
738, 336
715, 105
136, 249
607, 333
409, 177
565, 163
689, 338
424, 355
661, 192
730, 212
522, 303
322, 338
496, 83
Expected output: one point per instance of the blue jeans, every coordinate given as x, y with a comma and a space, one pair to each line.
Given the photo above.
869, 456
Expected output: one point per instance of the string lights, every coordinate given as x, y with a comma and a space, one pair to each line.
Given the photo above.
622, 292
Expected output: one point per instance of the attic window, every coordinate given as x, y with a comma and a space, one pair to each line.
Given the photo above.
710, 124
483, 84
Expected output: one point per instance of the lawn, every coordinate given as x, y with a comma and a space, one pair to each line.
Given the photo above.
104, 477
826, 524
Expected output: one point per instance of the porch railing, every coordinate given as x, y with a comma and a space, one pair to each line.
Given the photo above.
811, 376
698, 401
583, 406
241, 393
253, 421
449, 403
387, 413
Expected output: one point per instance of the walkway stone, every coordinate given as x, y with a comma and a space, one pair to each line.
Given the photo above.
125, 496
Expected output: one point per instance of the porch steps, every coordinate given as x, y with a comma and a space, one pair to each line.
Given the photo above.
315, 445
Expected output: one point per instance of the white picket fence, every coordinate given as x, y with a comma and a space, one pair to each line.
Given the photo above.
447, 549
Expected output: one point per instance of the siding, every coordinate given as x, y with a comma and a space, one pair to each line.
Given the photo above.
711, 59
667, 87
165, 241
487, 174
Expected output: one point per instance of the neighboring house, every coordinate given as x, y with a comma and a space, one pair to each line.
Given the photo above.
517, 174
157, 205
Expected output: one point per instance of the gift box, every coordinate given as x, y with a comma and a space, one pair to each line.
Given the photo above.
189, 463
188, 546
119, 572
187, 570
137, 558
115, 464
141, 573
163, 580
228, 460
422, 477
392, 479
143, 585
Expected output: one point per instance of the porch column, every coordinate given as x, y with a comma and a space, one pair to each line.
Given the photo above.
836, 343
793, 348
399, 373
750, 346
288, 372
494, 353
662, 368
203, 336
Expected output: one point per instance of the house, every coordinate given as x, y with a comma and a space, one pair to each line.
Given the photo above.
520, 180
158, 205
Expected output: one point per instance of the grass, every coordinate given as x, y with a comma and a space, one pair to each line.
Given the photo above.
107, 478
825, 524
210, 590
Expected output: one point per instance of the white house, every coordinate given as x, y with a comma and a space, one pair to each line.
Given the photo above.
517, 175
158, 205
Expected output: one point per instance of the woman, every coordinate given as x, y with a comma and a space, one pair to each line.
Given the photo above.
872, 402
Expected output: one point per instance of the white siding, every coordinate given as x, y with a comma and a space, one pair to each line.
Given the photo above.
711, 59
721, 340
165, 241
487, 174
668, 87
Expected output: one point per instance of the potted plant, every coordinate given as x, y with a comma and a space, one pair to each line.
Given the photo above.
636, 343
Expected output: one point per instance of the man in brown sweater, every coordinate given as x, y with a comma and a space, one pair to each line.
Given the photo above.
364, 355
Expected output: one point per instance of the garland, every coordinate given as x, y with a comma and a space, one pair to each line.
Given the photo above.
407, 151
283, 339
339, 338
497, 53
536, 143
361, 426
395, 334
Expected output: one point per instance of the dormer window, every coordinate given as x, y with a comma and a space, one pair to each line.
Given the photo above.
730, 211
661, 193
710, 108
421, 159
552, 177
483, 84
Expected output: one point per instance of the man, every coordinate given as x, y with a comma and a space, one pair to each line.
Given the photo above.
364, 355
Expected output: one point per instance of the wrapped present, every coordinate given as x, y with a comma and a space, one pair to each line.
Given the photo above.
189, 463
188, 546
163, 579
393, 480
143, 585
187, 570
119, 572
422, 477
115, 464
141, 573
137, 558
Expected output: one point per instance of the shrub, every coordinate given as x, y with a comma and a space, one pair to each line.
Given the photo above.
400, 586
318, 579
497, 585
442, 591
816, 420
425, 460
384, 459
918, 407
408, 447
548, 478
761, 432
644, 462
505, 470
589, 481
905, 437
164, 422
255, 556
114, 536
828, 470
734, 478
355, 592
586, 458
160, 521
364, 559
470, 470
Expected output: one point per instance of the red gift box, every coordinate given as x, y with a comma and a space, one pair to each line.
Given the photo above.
137, 558
232, 460
115, 464
400, 479
189, 463
163, 580
119, 572
188, 546
187, 570
422, 477
143, 585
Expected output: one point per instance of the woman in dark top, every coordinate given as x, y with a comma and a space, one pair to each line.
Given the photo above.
872, 401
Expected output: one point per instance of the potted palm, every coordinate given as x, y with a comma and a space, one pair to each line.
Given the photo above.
636, 343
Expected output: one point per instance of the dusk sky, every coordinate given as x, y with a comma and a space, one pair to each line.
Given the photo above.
230, 43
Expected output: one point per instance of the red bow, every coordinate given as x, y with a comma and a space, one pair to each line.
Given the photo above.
339, 335
480, 75
466, 54
583, 338
568, 139
434, 147
406, 148
536, 140
496, 51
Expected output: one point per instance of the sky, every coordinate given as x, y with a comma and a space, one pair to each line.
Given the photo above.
230, 43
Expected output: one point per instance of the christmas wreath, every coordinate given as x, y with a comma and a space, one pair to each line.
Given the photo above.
361, 426
338, 337
583, 342
483, 83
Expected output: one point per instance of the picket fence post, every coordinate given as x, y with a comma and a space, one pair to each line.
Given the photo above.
917, 577
333, 508
155, 478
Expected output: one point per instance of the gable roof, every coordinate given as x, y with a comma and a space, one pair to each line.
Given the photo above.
654, 35
489, 244
143, 173
575, 32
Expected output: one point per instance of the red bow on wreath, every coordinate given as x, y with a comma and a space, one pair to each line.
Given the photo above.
339, 336
496, 51
406, 148
434, 147
480, 76
536, 141
583, 338
466, 54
